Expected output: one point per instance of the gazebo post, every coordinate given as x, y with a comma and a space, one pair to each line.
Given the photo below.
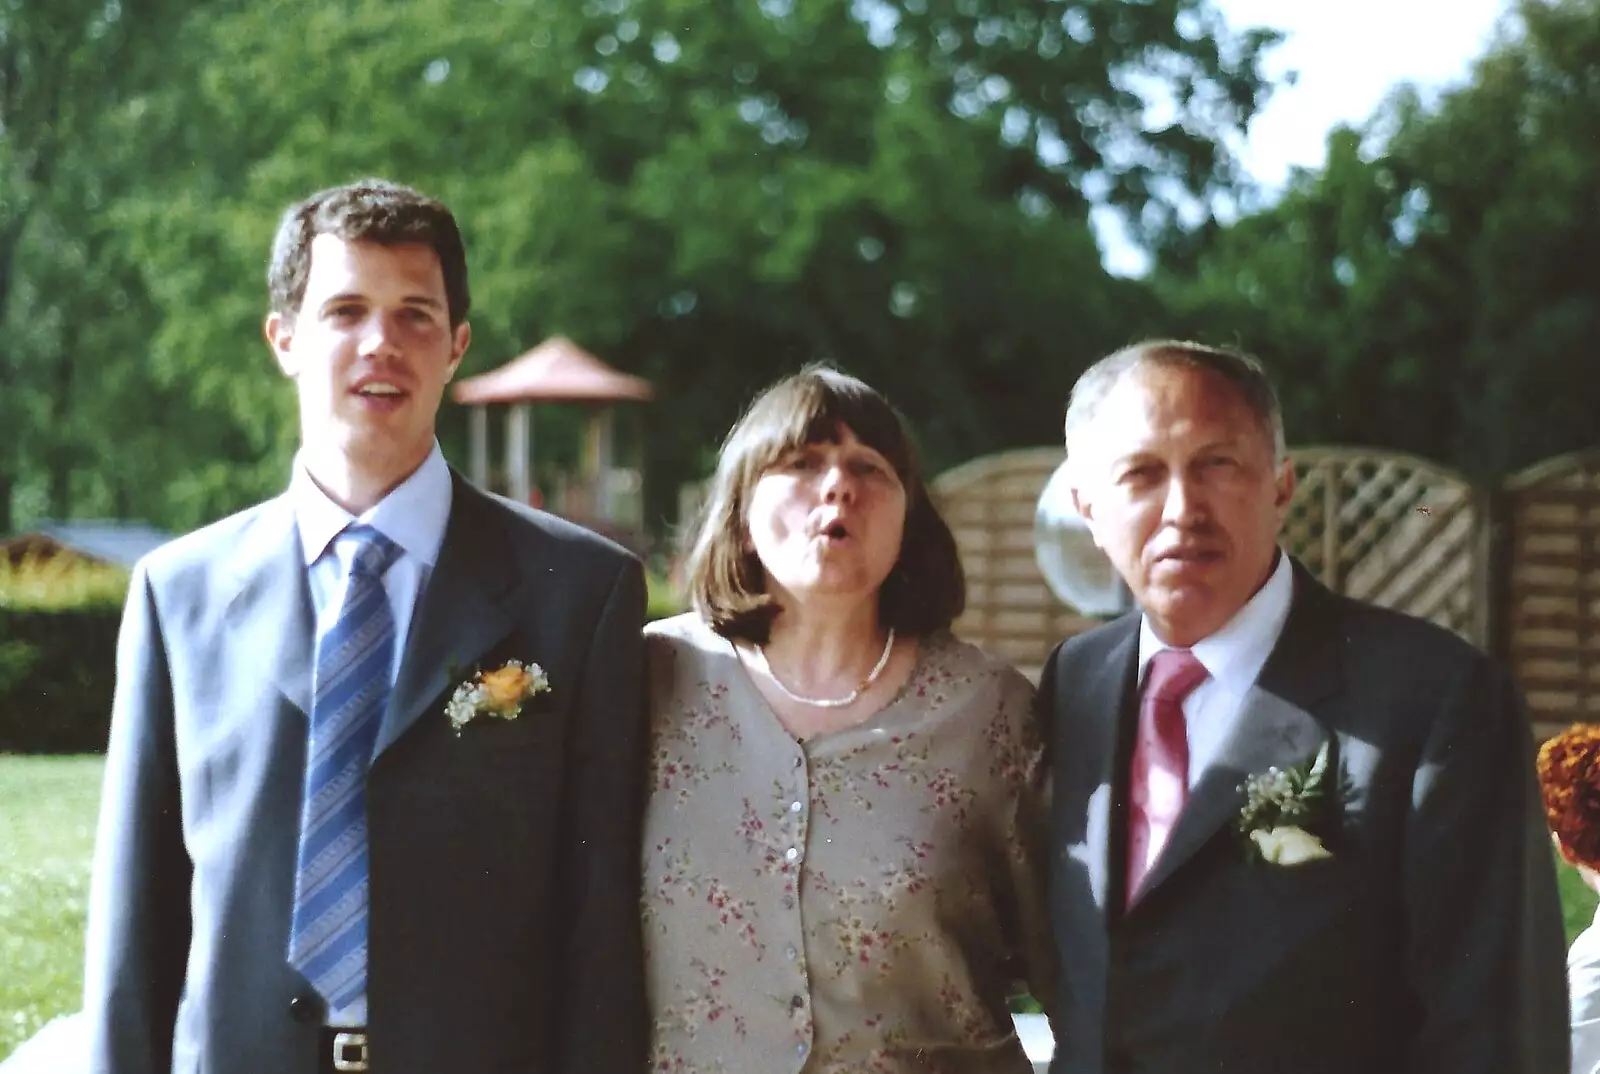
603, 461
557, 370
478, 430
635, 461
519, 441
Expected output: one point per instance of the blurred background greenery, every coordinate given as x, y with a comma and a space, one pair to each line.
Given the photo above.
709, 192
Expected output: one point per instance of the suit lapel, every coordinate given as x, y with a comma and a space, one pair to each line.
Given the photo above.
1277, 727
1106, 704
272, 604
465, 609
1091, 769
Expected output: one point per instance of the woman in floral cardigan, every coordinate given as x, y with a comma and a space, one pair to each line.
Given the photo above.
844, 847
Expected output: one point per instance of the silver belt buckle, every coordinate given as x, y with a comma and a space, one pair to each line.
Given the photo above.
350, 1052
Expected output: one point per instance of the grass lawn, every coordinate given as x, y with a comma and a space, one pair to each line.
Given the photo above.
1577, 901
47, 817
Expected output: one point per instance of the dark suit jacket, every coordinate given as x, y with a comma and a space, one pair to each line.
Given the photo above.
504, 927
1430, 941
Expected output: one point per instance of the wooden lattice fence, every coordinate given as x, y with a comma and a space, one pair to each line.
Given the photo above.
1393, 529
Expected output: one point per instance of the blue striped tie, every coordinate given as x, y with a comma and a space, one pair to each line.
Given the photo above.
328, 939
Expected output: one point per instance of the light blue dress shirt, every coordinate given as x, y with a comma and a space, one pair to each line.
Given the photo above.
413, 516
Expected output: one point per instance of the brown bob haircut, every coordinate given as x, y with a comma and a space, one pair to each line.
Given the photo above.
371, 210
925, 590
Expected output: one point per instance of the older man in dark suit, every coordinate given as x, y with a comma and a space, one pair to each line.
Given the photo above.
1293, 832
372, 795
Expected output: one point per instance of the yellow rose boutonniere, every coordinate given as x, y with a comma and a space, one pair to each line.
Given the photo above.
498, 693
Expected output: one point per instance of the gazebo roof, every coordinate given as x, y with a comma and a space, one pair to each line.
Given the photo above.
557, 370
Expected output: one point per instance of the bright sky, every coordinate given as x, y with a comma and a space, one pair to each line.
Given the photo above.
1348, 54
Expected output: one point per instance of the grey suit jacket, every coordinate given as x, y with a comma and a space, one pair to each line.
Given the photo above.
1431, 941
504, 926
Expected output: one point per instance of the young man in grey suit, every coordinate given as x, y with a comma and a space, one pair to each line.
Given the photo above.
347, 823
1293, 832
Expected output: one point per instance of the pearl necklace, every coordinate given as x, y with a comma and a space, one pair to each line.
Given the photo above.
830, 702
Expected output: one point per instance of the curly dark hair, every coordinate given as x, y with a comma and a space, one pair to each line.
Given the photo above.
369, 210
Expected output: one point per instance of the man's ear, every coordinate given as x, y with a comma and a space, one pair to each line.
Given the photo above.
461, 337
1075, 475
1082, 504
1283, 488
1085, 508
279, 330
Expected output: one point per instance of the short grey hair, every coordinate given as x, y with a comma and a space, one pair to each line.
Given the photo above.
1247, 376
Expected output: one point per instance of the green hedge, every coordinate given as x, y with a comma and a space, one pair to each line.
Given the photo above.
58, 652
57, 671
58, 649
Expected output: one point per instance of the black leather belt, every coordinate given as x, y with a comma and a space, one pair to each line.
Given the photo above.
344, 1050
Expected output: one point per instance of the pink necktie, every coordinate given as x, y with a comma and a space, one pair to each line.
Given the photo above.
1160, 773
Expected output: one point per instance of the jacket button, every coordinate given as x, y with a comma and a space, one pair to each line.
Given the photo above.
303, 1009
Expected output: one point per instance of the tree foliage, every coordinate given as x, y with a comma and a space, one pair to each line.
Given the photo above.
64, 66
1433, 288
705, 192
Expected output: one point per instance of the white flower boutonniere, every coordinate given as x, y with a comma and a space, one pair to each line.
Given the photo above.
1278, 804
498, 693
1288, 846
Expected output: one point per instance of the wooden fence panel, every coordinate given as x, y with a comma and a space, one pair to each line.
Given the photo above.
1395, 530
1552, 614
990, 504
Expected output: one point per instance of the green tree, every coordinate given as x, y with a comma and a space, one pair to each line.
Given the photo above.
1433, 288
704, 193
63, 67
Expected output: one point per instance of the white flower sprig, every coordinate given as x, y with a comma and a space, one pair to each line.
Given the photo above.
1278, 804
498, 693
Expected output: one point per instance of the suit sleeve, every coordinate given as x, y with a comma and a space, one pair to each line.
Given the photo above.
139, 926
1486, 948
604, 1026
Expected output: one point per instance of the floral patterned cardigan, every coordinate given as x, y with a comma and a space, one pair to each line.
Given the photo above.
865, 900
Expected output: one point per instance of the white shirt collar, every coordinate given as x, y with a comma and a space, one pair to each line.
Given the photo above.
1236, 653
413, 515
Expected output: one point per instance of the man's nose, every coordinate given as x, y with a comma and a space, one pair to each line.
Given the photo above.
379, 334
1184, 503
